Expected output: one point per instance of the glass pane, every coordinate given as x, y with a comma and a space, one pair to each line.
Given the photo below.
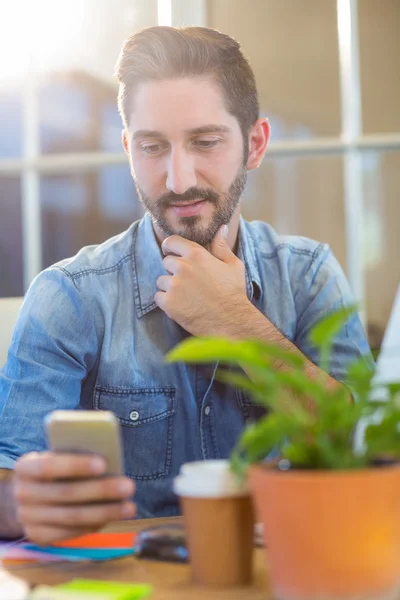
85, 208
13, 55
379, 34
381, 237
300, 196
11, 275
77, 98
10, 122
78, 114
293, 49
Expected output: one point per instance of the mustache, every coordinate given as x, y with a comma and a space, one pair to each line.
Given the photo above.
193, 193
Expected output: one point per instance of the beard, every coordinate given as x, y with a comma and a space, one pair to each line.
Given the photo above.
191, 228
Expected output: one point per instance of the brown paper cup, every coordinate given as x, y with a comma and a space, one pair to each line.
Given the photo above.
219, 522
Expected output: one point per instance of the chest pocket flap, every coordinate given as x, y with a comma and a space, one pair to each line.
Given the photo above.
146, 417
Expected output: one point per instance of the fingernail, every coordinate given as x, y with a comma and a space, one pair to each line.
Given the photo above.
127, 510
225, 231
125, 488
97, 465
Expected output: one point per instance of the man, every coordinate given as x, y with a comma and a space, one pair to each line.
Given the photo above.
94, 329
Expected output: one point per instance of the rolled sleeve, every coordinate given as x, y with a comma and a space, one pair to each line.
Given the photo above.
6, 462
52, 349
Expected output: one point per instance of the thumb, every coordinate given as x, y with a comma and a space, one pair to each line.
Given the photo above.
219, 246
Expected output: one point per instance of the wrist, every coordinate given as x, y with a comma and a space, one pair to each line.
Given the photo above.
241, 321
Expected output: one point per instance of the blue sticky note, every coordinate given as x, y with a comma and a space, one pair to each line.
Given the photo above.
83, 553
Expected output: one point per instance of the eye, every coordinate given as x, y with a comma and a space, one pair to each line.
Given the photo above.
206, 144
152, 148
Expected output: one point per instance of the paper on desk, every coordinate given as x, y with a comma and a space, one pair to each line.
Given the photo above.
16, 552
93, 546
46, 592
11, 587
96, 546
100, 540
21, 554
82, 553
116, 589
87, 589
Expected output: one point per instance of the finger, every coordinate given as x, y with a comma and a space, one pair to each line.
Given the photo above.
172, 264
43, 535
82, 516
160, 299
220, 248
49, 466
95, 490
175, 244
164, 283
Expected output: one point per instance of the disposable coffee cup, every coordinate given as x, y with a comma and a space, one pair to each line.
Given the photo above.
218, 515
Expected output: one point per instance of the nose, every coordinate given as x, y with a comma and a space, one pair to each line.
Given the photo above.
180, 172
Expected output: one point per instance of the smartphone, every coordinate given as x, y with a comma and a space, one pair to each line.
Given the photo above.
87, 432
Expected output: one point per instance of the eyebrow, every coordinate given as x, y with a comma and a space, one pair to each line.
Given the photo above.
148, 133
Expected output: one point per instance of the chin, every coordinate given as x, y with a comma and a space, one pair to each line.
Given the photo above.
200, 236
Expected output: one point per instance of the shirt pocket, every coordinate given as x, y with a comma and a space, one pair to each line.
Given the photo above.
251, 410
146, 418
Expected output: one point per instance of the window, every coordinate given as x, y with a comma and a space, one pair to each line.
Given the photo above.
300, 195
10, 123
381, 179
293, 49
379, 26
10, 237
80, 209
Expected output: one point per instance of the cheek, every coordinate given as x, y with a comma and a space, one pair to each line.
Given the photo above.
148, 175
220, 171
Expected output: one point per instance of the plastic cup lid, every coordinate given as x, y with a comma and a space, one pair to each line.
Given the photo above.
209, 479
204, 467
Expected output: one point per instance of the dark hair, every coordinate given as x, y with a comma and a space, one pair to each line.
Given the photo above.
159, 53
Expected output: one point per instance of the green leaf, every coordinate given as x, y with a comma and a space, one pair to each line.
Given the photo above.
324, 332
261, 393
359, 376
239, 464
271, 431
210, 349
244, 352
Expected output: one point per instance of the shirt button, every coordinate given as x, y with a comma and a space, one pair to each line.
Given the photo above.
207, 411
134, 415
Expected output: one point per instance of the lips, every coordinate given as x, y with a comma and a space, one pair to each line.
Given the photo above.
189, 209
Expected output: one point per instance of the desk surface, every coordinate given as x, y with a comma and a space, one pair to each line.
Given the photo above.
170, 581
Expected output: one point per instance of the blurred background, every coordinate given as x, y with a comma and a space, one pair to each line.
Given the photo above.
328, 74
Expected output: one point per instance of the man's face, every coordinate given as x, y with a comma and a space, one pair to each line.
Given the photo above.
187, 156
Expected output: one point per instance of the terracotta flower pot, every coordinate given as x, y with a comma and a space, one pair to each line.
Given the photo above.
330, 534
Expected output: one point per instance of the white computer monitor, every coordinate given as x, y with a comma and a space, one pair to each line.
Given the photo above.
387, 369
388, 363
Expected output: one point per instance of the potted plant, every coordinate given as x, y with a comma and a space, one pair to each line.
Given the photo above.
330, 506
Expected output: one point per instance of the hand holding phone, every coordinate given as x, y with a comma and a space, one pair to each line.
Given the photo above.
65, 492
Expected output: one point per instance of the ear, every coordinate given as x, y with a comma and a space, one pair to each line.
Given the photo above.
258, 141
125, 143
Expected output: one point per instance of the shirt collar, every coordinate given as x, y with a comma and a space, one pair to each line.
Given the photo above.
148, 267
247, 254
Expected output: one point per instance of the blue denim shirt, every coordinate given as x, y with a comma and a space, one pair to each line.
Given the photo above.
90, 336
